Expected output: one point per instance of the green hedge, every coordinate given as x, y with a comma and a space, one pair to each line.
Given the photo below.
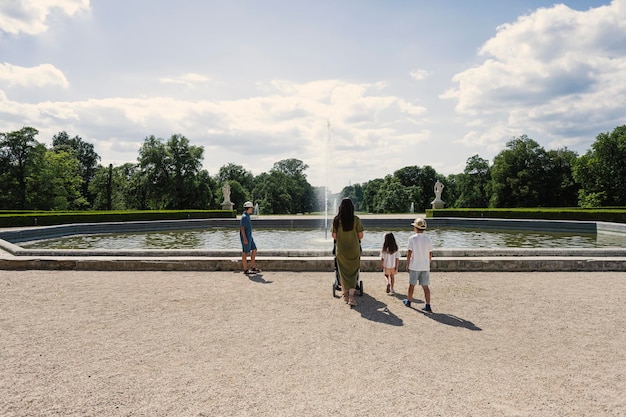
21, 211
49, 218
610, 214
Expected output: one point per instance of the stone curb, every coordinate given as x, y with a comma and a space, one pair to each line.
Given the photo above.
312, 264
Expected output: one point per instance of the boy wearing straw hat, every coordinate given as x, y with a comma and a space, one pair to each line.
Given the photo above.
418, 257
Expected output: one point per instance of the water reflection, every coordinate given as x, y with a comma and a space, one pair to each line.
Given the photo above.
220, 238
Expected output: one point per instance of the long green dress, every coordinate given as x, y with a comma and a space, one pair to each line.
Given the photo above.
348, 253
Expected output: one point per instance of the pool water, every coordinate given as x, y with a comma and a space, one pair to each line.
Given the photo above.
224, 239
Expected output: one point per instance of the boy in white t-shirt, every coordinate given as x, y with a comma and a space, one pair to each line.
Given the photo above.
418, 257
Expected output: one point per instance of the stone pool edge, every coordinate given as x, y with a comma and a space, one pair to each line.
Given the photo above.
13, 257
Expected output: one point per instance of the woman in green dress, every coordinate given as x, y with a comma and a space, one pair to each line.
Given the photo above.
348, 232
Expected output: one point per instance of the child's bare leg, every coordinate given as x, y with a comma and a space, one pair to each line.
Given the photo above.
391, 279
411, 290
252, 258
426, 293
244, 261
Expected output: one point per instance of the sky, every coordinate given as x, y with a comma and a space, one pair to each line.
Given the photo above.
356, 89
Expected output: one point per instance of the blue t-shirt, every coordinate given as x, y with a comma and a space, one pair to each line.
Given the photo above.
246, 223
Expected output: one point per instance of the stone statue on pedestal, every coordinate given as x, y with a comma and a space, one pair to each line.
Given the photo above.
438, 203
226, 204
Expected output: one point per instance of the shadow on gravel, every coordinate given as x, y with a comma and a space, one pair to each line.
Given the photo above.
450, 320
258, 278
375, 310
447, 319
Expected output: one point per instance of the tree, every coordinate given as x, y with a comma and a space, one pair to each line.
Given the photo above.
517, 178
185, 165
86, 156
473, 183
392, 196
120, 196
134, 186
525, 175
371, 203
199, 191
272, 192
155, 168
562, 190
171, 172
234, 172
451, 189
285, 189
6, 180
292, 167
408, 176
601, 172
418, 181
17, 154
309, 199
354, 193
56, 183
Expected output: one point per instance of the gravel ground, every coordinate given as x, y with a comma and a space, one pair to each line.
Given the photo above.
278, 344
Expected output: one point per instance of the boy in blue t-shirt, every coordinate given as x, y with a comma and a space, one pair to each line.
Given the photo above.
247, 241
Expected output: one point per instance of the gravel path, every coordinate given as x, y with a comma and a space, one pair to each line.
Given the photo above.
223, 344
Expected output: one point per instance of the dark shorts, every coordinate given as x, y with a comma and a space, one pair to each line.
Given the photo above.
249, 247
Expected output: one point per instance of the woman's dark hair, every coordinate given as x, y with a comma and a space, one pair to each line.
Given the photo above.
390, 245
345, 216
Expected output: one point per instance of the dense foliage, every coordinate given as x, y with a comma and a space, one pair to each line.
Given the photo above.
601, 172
169, 175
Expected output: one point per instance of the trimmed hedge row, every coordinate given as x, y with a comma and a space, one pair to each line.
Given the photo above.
611, 214
50, 218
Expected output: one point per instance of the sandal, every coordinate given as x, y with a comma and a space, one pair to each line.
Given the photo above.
351, 301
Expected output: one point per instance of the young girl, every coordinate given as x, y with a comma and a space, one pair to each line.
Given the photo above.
390, 258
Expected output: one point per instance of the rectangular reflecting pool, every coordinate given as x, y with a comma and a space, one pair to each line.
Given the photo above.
228, 238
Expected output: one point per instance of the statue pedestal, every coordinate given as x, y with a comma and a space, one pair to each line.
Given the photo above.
437, 203
227, 205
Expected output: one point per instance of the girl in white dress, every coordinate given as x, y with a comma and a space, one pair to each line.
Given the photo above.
390, 258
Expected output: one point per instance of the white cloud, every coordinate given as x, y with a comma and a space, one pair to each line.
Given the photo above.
547, 73
291, 121
419, 74
190, 79
39, 76
30, 16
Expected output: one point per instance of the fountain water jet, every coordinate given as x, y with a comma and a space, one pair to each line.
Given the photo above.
327, 159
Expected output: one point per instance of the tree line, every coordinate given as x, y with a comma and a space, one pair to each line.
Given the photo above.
168, 174
523, 174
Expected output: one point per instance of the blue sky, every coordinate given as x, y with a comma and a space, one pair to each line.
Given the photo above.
399, 82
